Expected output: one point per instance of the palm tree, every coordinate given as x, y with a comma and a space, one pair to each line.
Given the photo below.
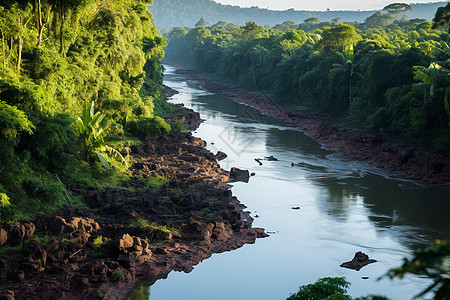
94, 129
434, 79
346, 68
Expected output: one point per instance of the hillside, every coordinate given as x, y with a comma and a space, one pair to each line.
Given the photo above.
172, 13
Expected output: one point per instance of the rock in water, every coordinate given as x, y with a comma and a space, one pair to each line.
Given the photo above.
360, 260
221, 155
239, 175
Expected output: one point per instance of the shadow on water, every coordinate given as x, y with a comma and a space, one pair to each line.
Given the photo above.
346, 206
142, 288
395, 204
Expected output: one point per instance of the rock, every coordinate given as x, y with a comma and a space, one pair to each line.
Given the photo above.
16, 234
76, 229
252, 174
258, 160
271, 158
35, 257
3, 270
239, 174
30, 228
296, 207
7, 295
3, 236
360, 260
221, 155
125, 242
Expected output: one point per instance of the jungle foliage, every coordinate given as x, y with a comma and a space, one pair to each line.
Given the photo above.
387, 75
170, 13
58, 59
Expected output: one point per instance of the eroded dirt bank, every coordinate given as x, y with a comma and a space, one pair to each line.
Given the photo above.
391, 153
100, 252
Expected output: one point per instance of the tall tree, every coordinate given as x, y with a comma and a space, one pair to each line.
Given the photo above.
397, 9
442, 17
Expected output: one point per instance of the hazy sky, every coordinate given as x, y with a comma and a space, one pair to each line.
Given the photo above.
318, 4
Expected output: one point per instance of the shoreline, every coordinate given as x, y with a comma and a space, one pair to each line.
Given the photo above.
386, 152
193, 199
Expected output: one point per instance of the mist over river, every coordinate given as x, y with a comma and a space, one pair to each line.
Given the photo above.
345, 206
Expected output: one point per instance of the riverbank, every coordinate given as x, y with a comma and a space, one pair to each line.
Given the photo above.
388, 152
172, 212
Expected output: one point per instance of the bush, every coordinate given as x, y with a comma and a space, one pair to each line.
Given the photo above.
149, 128
324, 288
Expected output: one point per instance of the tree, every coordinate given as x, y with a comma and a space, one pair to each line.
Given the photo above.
378, 19
95, 130
324, 288
201, 22
431, 262
435, 79
346, 68
312, 21
338, 37
397, 9
336, 20
43, 13
442, 17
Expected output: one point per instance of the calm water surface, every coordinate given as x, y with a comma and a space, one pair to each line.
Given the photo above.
346, 206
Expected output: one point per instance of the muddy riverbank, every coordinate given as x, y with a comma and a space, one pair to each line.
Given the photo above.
388, 152
173, 211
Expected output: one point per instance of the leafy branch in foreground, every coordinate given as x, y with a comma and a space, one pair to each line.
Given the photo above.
431, 262
96, 131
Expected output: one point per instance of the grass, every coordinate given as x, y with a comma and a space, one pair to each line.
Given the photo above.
155, 232
177, 192
155, 183
10, 250
44, 239
98, 243
211, 199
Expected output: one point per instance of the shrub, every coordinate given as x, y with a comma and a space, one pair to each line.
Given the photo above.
149, 128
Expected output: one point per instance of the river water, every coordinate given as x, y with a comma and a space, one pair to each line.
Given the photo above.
345, 206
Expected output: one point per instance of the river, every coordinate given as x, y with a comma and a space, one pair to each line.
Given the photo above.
345, 206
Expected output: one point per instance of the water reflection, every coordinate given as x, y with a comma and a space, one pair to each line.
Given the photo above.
346, 206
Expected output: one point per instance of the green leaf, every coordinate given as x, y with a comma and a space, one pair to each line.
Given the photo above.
103, 160
4, 200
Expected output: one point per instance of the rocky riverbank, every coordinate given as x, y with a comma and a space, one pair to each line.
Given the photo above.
174, 211
388, 152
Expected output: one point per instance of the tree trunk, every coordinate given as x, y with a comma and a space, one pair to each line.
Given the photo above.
19, 57
19, 54
61, 28
40, 23
3, 49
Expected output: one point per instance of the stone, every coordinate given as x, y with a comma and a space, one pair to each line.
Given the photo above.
125, 242
238, 174
7, 295
271, 158
221, 155
3, 236
16, 234
258, 160
360, 260
30, 228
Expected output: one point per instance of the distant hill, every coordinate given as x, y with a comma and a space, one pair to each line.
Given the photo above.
174, 13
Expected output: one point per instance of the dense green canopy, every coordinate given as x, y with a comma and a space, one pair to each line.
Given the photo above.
362, 72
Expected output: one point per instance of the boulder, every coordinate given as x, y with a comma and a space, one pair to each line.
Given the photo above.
125, 242
221, 155
360, 260
238, 174
3, 236
16, 234
7, 295
271, 158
